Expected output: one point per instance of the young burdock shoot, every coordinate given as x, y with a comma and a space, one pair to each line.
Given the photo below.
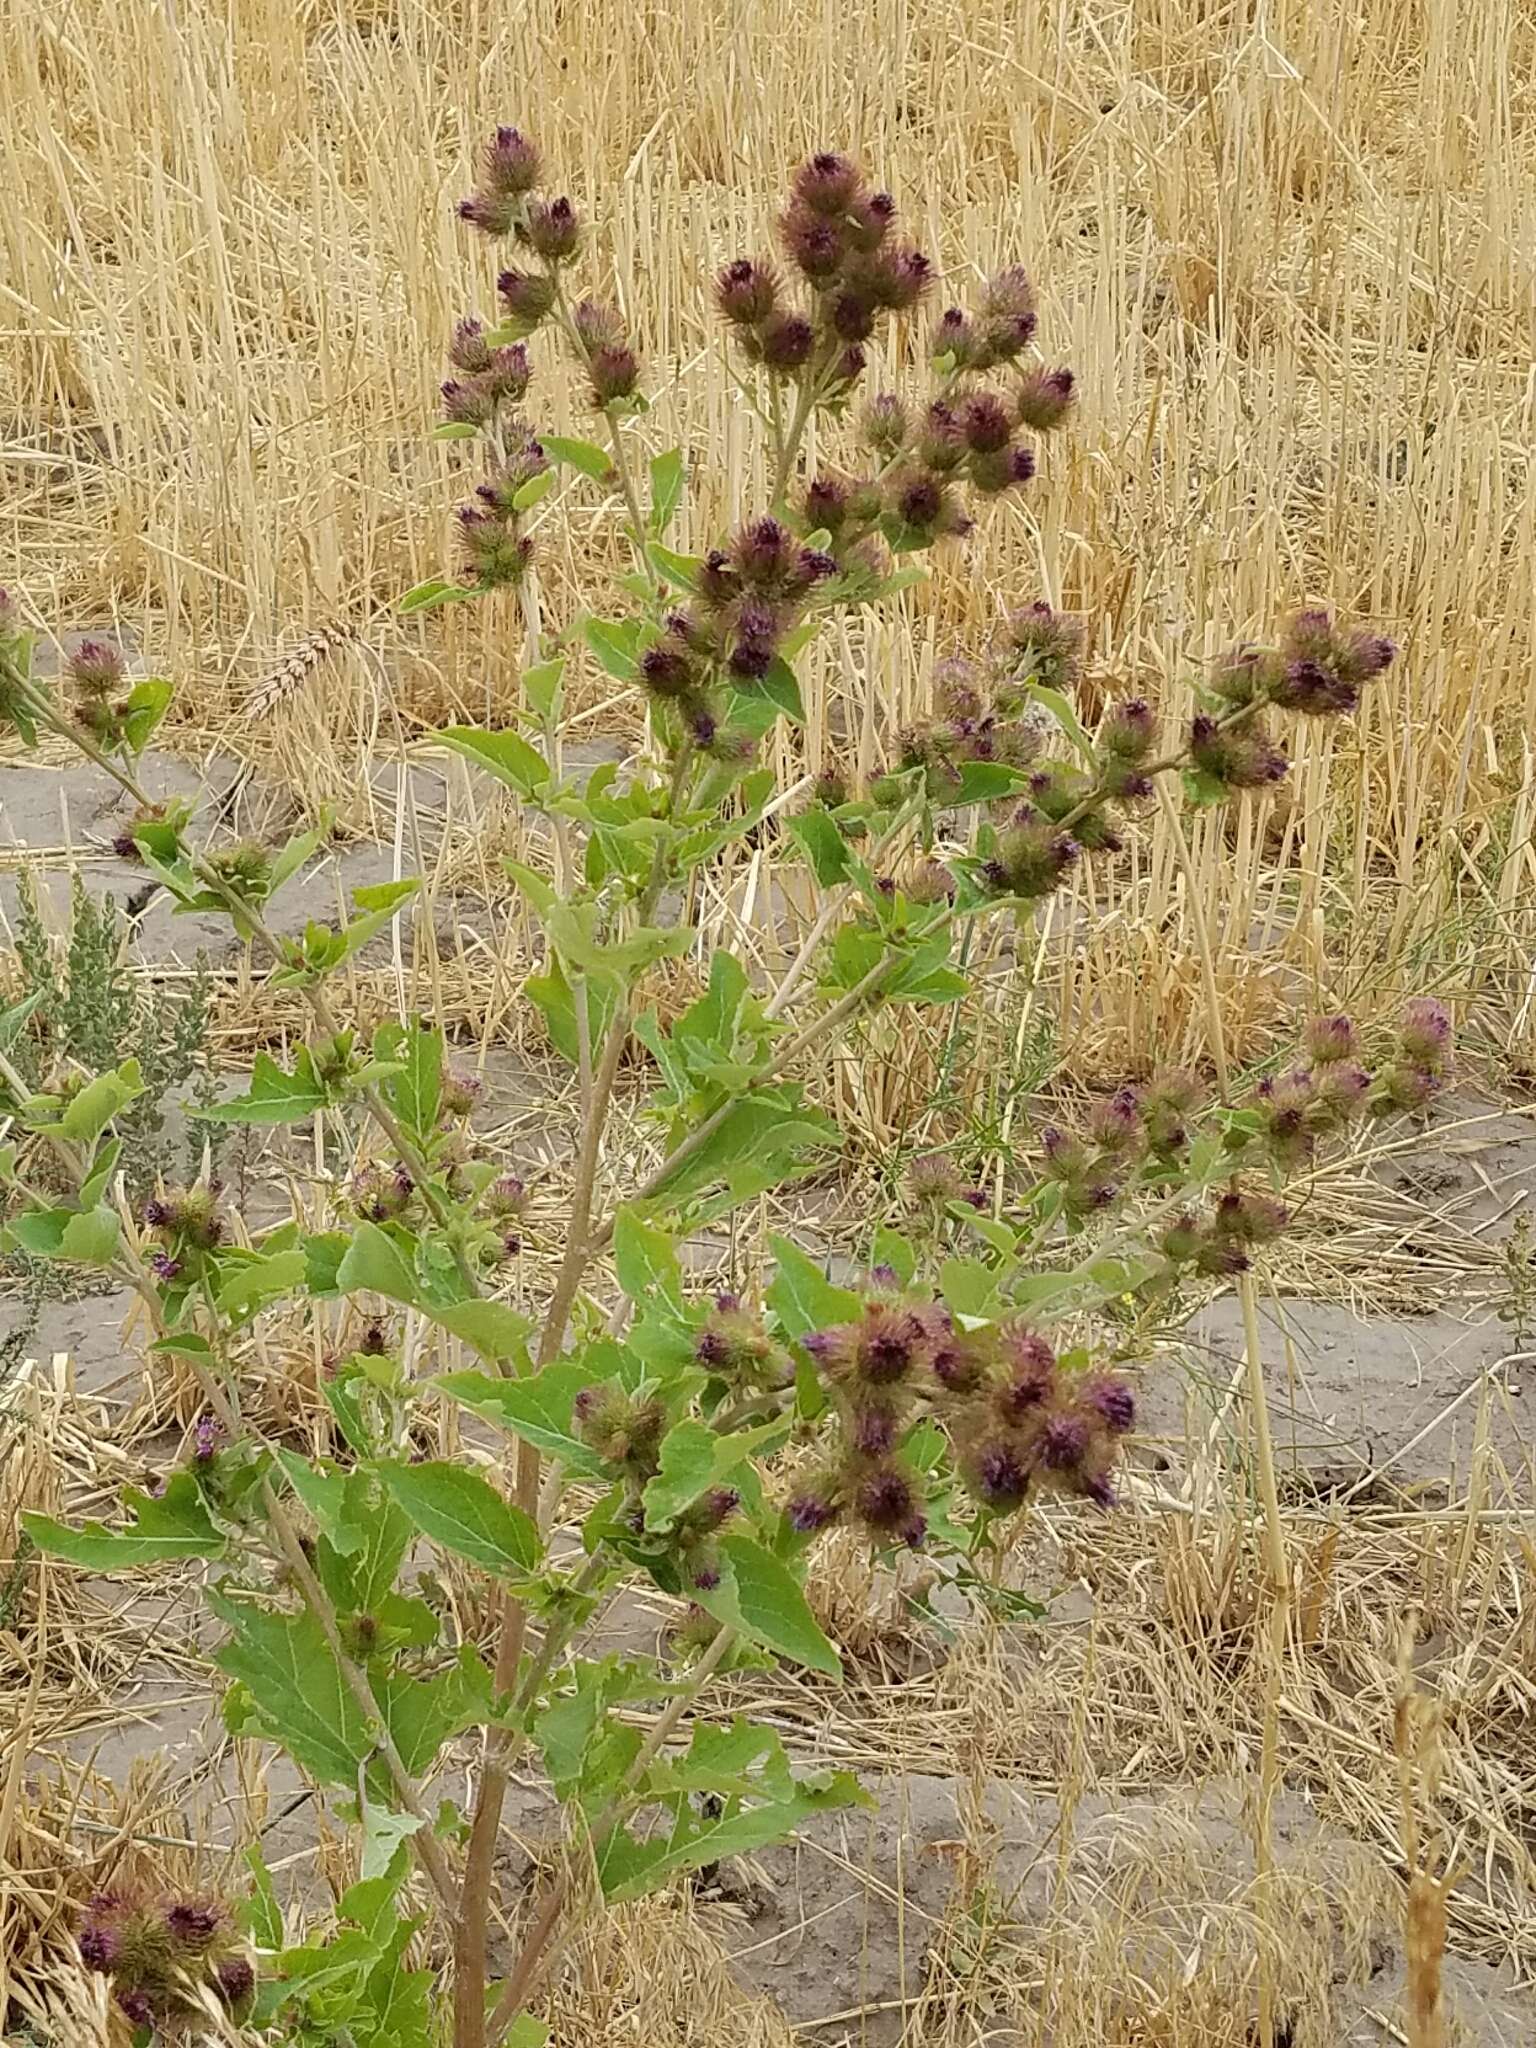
933, 1408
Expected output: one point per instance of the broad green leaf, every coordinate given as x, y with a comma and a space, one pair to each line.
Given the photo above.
646, 1261
253, 1283
300, 848
80, 1237
374, 1264
766, 1130
802, 1298
781, 689
537, 1409
982, 782
465, 1514
415, 1092
383, 1832
426, 597
506, 755
526, 2032
87, 1114
273, 1096
760, 1596
324, 1491
493, 1329
423, 1713
1064, 712
614, 647
825, 847
891, 1249
694, 1460
666, 488
527, 495
543, 689
969, 1287
147, 703
586, 456
175, 1525
260, 1915
454, 430
682, 570
292, 1691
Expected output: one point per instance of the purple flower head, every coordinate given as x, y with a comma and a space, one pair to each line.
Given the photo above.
126, 847
827, 184
1328, 1039
528, 295
813, 1507
460, 1091
136, 2004
96, 666
507, 375
999, 1476
1129, 729
374, 1341
1045, 643
704, 728
896, 277
100, 1938
493, 213
812, 243
614, 372
1109, 1398
718, 1506
159, 1214
1116, 1122
511, 163
467, 402
883, 424
506, 1196
705, 1578
234, 1979
1425, 1034
163, 1266
1063, 1442
825, 505
867, 221
1097, 1488
208, 1435
960, 1365
956, 336
192, 1923
785, 341
468, 350
1402, 1086
889, 1343
873, 1431
985, 423
940, 438
746, 292
552, 229
1044, 398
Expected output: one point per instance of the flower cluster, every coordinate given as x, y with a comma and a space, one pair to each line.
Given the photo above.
98, 672
380, 1194
1143, 1133
750, 596
624, 1429
734, 1348
1017, 1421
840, 237
156, 1950
187, 1227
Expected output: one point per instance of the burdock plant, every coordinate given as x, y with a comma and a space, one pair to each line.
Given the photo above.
930, 1408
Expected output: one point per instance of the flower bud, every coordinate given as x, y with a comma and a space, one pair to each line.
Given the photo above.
551, 229
510, 163
1032, 856
1109, 1397
830, 789
827, 184
1425, 1034
614, 373
956, 336
933, 1179
467, 402
1005, 470
234, 1980
1115, 1124
1166, 1102
941, 438
1242, 757
997, 1473
493, 213
811, 243
193, 1923
883, 425
785, 341
985, 424
867, 221
746, 292
469, 350
1008, 317
813, 1506
1044, 644
96, 666
1329, 1038
887, 1502
1044, 398
528, 295
460, 1091
506, 376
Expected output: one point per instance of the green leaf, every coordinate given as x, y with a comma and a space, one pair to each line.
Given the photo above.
553, 997
802, 1298
969, 1286
646, 1261
526, 2032
891, 1249
292, 1691
493, 1329
383, 1832
300, 848
982, 782
273, 1096
86, 1237
426, 597
614, 645
760, 1596
423, 1713
374, 1264
764, 1131
586, 456
543, 689
87, 1114
681, 570
454, 430
256, 1281
260, 1914
175, 1525
825, 847
527, 495
781, 689
506, 755
537, 1409
465, 1514
694, 1460
415, 1093
666, 488
146, 704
